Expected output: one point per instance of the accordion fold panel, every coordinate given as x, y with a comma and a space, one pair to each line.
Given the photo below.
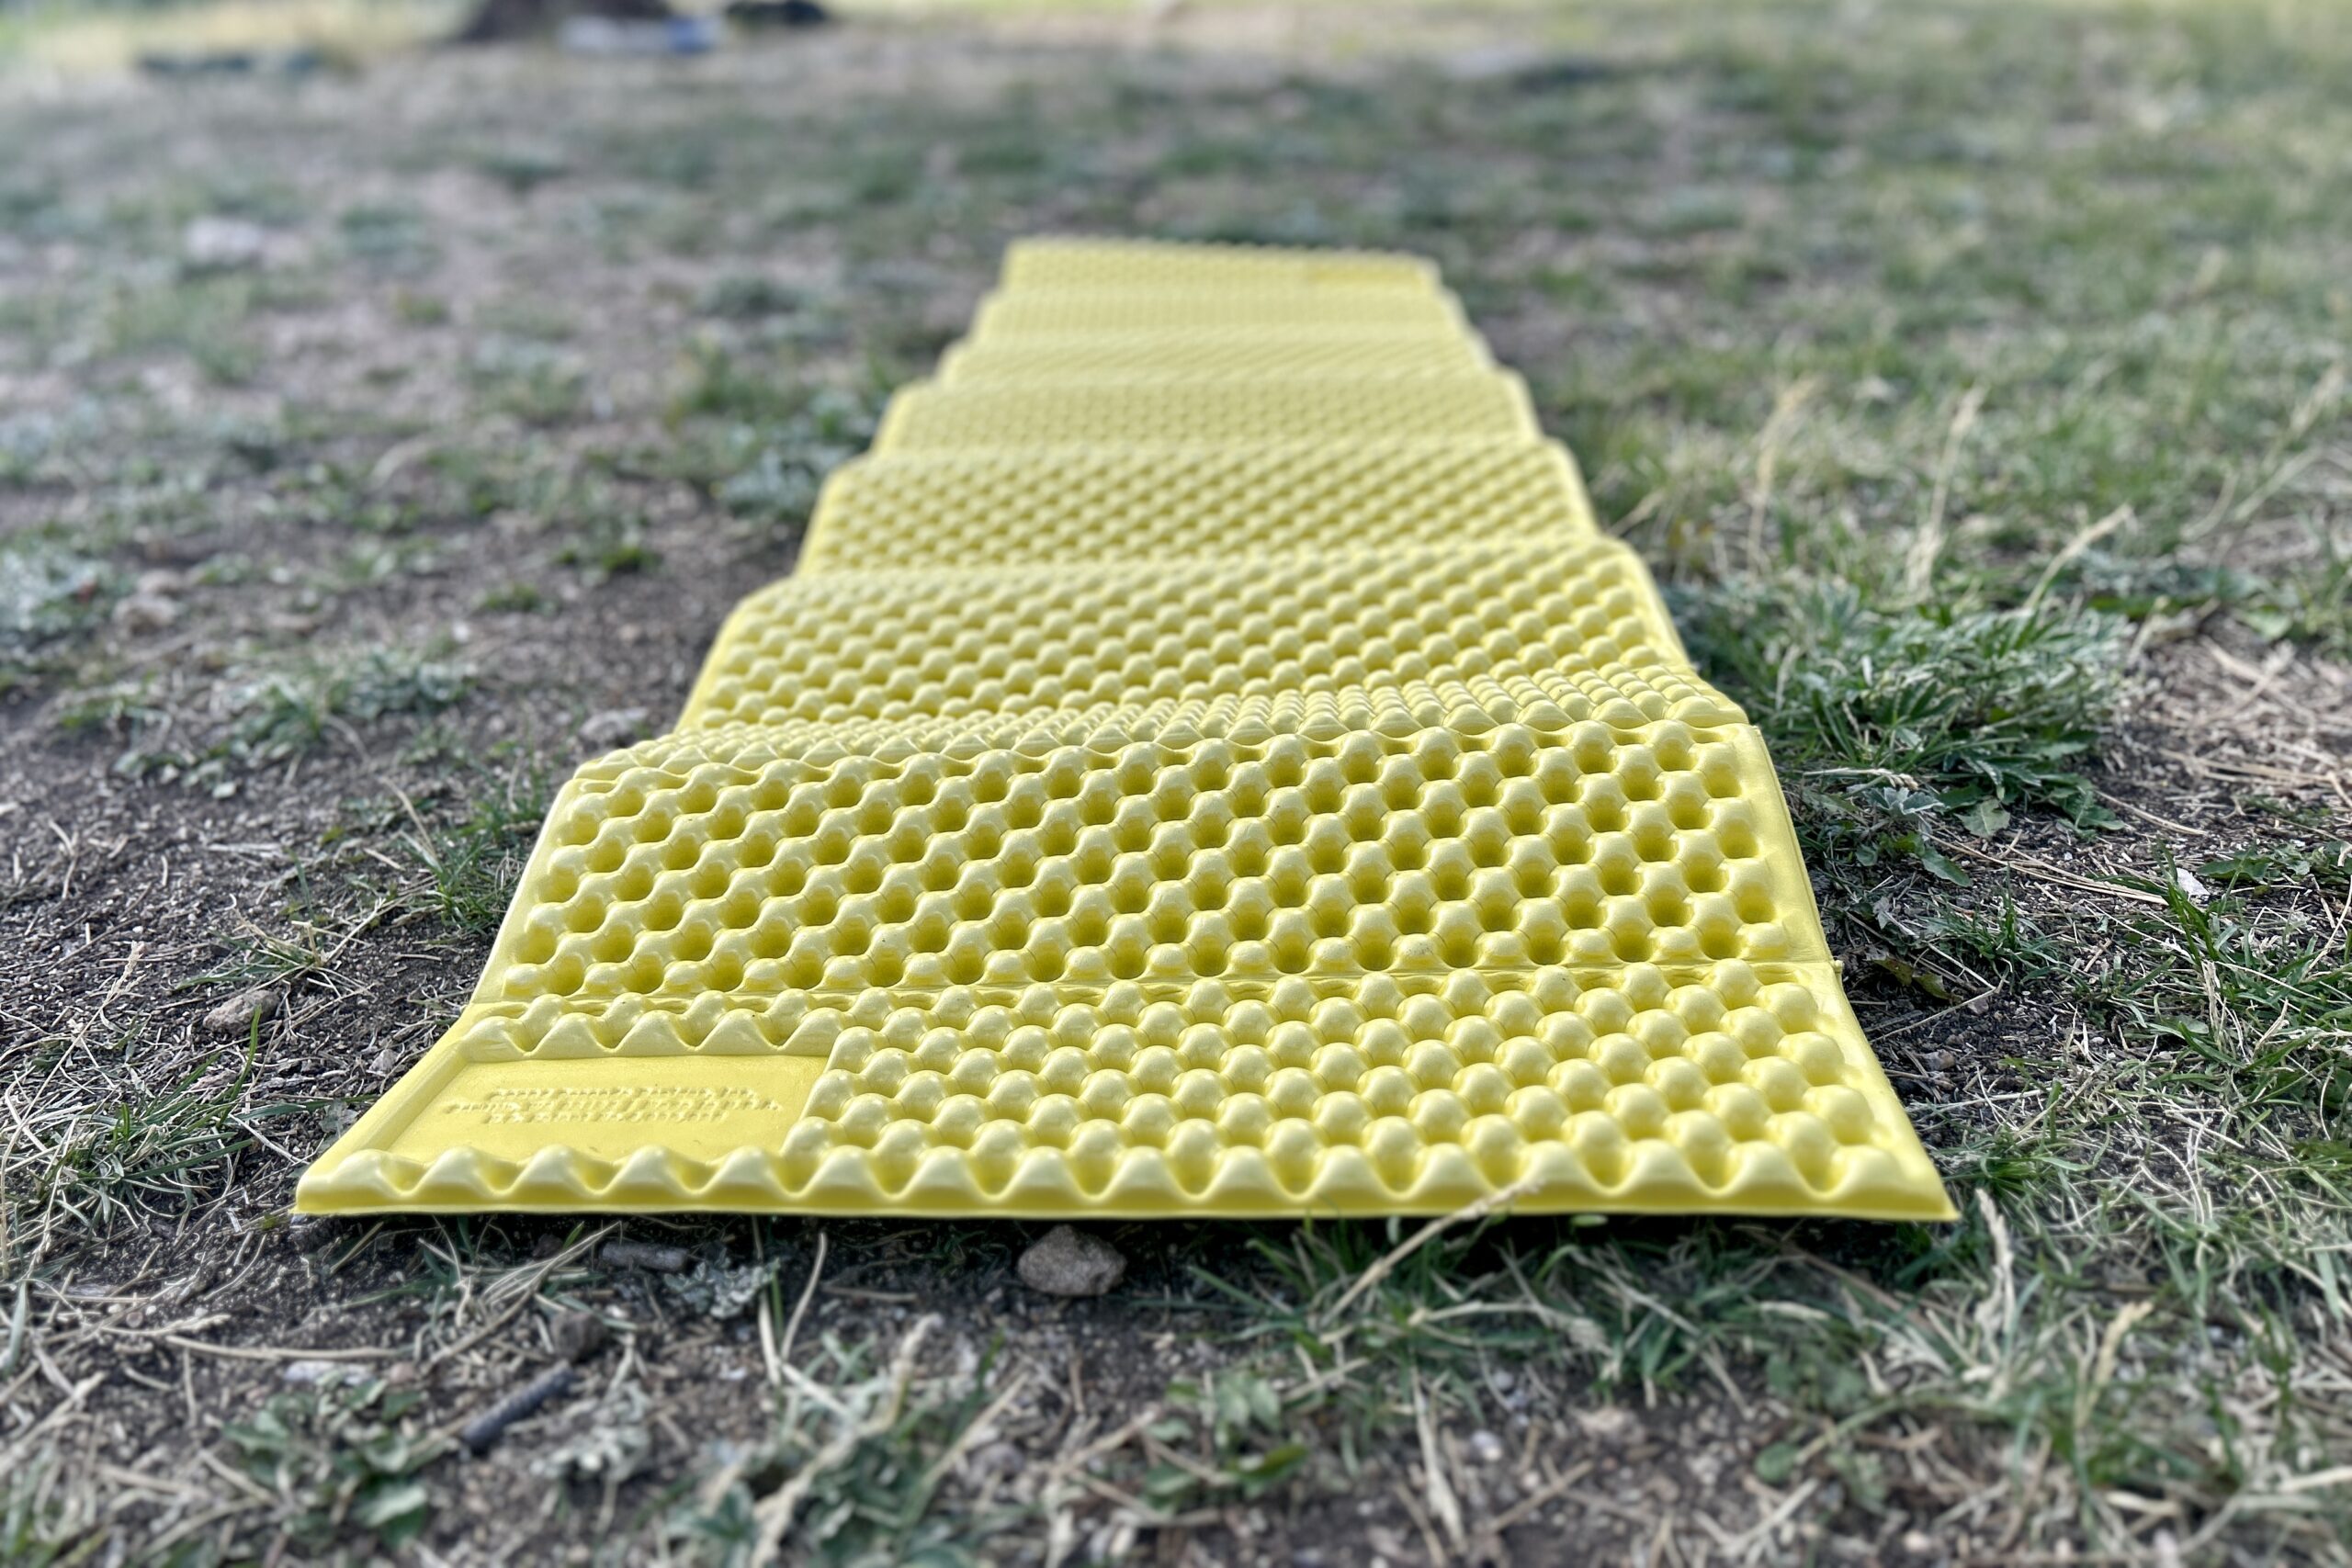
1208, 763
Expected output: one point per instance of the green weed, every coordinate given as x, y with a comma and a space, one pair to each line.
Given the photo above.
284, 715
341, 1461
473, 854
156, 1150
270, 717
852, 1469
47, 596
43, 1521
1886, 725
204, 318
536, 384
392, 236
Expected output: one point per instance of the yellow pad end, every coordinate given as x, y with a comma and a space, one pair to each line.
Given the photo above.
1245, 961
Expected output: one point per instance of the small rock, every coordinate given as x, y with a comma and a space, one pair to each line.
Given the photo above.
645, 1255
1485, 1447
223, 244
140, 612
577, 1335
612, 729
238, 1014
322, 1374
1000, 1460
1068, 1262
1609, 1424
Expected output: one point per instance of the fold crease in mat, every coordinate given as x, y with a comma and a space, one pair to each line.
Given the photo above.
1208, 764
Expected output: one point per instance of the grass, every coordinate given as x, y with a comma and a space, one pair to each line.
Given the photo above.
761, 445
204, 318
852, 1467
273, 715
83, 1166
338, 1459
472, 850
529, 381
1889, 725
47, 596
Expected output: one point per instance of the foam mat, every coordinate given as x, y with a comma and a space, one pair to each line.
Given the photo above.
1077, 504
1079, 266
1211, 356
1196, 771
1008, 315
1130, 410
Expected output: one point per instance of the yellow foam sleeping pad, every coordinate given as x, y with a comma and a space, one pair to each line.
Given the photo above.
1208, 764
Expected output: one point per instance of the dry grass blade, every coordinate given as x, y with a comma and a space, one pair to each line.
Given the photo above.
1468, 1214
774, 1512
515, 1289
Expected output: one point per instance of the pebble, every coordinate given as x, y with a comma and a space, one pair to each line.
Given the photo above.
611, 728
1610, 1423
1000, 1459
223, 244
577, 1335
145, 613
1068, 1262
236, 1015
626, 1254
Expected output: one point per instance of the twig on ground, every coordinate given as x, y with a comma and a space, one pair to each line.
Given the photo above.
484, 1430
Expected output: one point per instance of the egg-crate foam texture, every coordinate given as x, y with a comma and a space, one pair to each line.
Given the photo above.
1473, 405
1005, 316
1210, 357
984, 508
1224, 964
942, 644
1059, 263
